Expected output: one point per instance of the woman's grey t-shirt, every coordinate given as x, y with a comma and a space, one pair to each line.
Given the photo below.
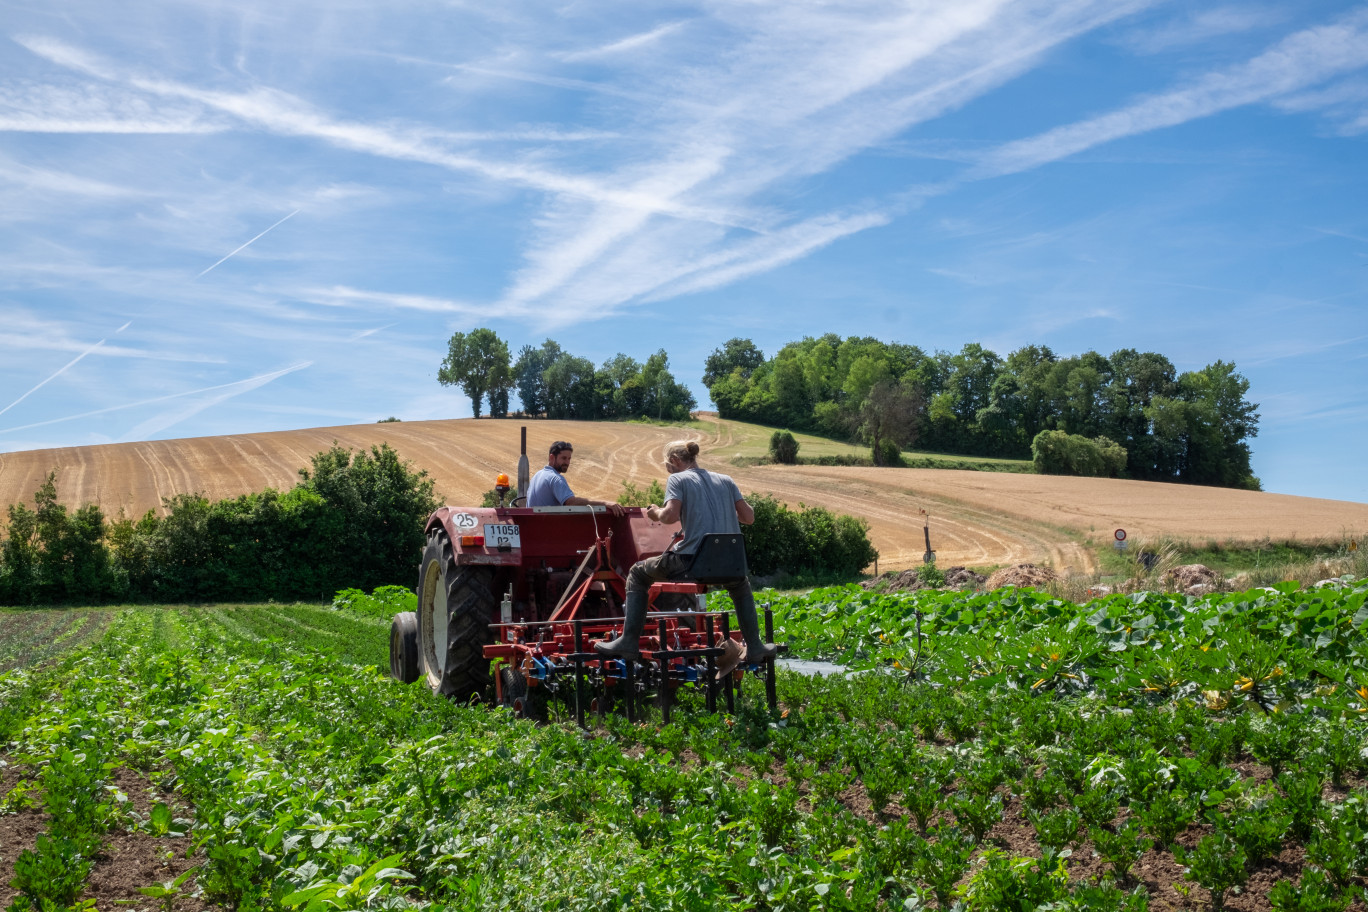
707, 504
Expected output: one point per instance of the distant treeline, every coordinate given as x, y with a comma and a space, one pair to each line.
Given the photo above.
553, 383
353, 520
1190, 427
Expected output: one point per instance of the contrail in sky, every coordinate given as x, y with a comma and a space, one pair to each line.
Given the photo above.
263, 378
63, 369
255, 239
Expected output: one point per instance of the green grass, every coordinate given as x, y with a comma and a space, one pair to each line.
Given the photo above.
1266, 558
750, 446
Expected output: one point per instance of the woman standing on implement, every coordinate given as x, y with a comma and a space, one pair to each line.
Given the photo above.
703, 503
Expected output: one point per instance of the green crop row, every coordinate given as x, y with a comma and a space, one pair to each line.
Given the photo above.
318, 782
1274, 647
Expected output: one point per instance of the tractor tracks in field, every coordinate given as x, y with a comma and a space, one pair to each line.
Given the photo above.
961, 533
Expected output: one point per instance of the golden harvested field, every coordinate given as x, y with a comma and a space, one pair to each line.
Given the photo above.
977, 518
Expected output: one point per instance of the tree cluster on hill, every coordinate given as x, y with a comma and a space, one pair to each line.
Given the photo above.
1191, 427
553, 383
355, 519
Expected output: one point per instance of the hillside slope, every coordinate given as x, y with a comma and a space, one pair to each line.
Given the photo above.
977, 518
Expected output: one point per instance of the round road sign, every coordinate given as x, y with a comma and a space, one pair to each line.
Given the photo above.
1120, 534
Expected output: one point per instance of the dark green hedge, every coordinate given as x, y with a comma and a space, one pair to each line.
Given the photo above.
354, 520
810, 543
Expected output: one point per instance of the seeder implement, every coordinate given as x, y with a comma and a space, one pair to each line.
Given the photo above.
538, 661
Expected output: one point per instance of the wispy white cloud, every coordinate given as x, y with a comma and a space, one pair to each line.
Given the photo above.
716, 138
1300, 60
1344, 102
93, 107
171, 417
57, 373
630, 43
222, 391
1197, 25
46, 180
25, 332
345, 296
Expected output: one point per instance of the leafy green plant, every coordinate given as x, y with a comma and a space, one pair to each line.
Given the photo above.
161, 821
931, 576
1040, 793
1097, 805
923, 798
1056, 830
1337, 847
941, 864
1258, 827
1165, 816
1313, 894
360, 890
1121, 849
774, 812
1106, 897
977, 813
1277, 740
52, 873
1302, 792
881, 782
169, 891
1006, 884
1217, 863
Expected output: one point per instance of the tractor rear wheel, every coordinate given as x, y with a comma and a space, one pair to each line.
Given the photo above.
404, 647
455, 607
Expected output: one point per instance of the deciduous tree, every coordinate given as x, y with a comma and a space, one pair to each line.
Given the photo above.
477, 362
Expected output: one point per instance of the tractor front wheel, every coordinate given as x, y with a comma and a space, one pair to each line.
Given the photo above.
404, 647
455, 606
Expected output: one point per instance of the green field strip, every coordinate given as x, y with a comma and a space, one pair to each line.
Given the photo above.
306, 768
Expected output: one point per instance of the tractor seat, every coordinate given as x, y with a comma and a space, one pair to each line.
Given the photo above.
720, 560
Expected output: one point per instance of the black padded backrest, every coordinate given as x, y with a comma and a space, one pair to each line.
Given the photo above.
720, 558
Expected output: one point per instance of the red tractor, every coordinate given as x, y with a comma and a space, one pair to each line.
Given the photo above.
510, 600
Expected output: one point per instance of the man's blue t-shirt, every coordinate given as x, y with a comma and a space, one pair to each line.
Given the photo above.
548, 488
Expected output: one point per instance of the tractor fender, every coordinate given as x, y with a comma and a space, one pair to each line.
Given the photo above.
466, 528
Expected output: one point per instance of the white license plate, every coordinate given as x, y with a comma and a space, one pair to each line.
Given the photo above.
502, 536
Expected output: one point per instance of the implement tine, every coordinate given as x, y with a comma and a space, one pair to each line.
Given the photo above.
771, 693
710, 684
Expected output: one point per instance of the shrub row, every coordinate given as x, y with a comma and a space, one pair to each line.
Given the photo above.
1059, 453
810, 542
355, 519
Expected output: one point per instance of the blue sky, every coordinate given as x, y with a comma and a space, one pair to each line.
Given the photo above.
231, 217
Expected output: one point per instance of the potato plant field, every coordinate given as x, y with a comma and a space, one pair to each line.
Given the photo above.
994, 751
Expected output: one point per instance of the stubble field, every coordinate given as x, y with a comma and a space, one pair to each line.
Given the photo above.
978, 518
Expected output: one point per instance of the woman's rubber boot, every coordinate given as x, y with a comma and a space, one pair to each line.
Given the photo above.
627, 646
756, 650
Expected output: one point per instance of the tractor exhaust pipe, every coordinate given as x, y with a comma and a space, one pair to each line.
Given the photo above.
522, 471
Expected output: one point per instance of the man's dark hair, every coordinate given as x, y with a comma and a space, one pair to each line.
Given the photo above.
560, 445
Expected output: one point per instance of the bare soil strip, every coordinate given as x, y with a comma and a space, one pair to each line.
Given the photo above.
977, 518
